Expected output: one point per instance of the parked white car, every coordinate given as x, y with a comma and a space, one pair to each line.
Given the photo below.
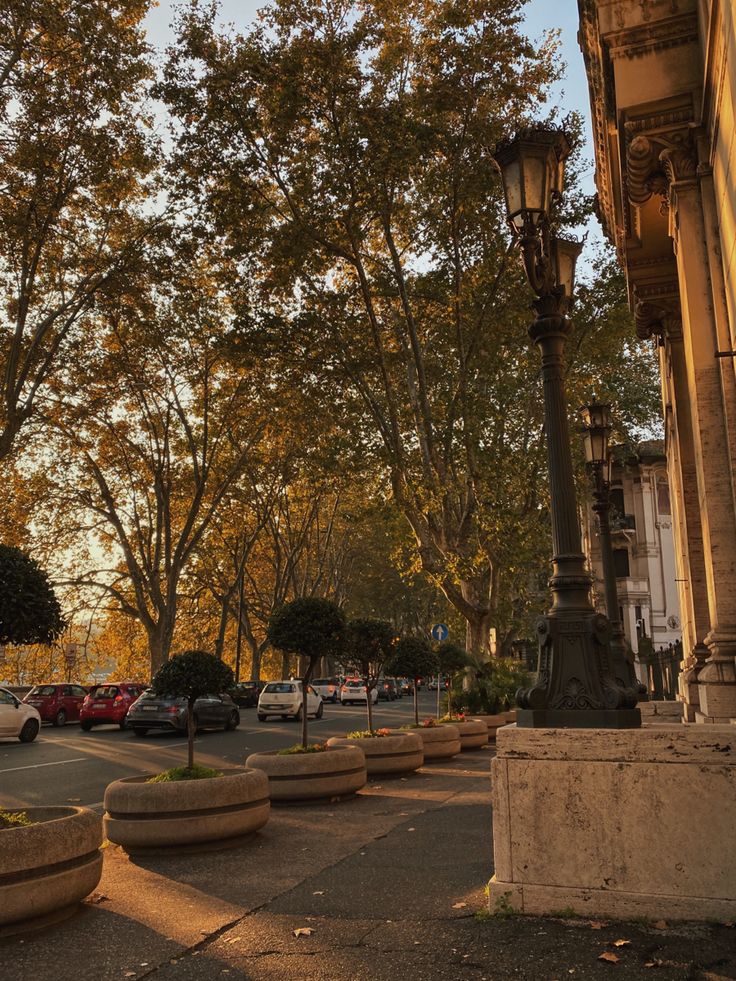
353, 690
284, 698
328, 688
18, 720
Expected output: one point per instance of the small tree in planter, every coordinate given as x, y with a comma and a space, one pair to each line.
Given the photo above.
413, 658
192, 675
29, 610
452, 659
312, 628
370, 644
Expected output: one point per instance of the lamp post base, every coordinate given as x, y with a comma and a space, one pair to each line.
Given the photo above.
623, 718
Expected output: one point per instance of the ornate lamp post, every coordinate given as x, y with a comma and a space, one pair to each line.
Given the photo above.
596, 431
577, 685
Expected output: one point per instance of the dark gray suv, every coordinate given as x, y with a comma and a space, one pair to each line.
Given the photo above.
153, 711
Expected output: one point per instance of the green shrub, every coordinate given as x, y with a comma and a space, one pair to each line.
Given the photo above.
196, 772
493, 689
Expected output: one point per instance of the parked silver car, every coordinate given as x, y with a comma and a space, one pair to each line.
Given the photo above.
152, 711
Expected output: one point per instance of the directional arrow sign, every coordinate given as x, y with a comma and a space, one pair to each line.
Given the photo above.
440, 631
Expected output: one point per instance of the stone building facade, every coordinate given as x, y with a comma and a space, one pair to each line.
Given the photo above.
662, 79
643, 547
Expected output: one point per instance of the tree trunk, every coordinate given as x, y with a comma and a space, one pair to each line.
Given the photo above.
191, 730
224, 614
284, 665
478, 635
369, 704
160, 637
305, 684
416, 701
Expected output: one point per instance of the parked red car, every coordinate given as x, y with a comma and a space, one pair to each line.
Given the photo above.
109, 704
57, 703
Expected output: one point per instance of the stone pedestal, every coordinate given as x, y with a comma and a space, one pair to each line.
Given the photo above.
602, 822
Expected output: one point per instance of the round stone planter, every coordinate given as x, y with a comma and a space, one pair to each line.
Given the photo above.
473, 733
49, 866
297, 777
185, 812
398, 753
440, 742
494, 722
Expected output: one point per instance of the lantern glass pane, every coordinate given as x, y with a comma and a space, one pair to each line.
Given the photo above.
512, 186
534, 184
588, 444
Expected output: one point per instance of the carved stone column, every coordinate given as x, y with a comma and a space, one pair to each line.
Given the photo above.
664, 319
717, 679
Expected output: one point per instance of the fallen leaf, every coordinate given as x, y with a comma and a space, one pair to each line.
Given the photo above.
620, 943
319, 892
596, 925
609, 957
74, 800
411, 829
303, 931
97, 897
654, 963
130, 974
660, 925
459, 905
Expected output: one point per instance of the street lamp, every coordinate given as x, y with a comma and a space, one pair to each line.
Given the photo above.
577, 684
596, 431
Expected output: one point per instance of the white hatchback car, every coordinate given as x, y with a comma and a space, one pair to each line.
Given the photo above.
284, 698
18, 720
354, 691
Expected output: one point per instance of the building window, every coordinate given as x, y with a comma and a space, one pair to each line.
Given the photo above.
621, 562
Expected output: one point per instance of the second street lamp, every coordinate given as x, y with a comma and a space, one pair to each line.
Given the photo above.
577, 684
596, 432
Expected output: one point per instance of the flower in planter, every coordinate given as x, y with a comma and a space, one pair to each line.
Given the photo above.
299, 748
368, 733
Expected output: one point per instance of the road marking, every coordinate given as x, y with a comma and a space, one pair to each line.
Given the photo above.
35, 766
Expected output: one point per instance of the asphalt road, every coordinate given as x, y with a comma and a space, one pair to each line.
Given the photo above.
70, 766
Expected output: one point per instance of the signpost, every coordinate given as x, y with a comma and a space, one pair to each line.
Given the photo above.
439, 632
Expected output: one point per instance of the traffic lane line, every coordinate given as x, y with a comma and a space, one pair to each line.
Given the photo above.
35, 766
86, 759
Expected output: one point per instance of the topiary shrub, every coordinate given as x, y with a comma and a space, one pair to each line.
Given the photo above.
312, 628
192, 675
413, 658
369, 646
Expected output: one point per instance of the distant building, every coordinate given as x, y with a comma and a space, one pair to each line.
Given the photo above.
643, 544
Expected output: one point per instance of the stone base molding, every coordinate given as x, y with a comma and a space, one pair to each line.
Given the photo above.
48, 866
604, 822
143, 815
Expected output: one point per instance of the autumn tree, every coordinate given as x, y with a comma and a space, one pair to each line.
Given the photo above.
75, 163
351, 150
152, 430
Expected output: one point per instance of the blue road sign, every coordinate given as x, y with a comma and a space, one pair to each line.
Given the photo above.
440, 631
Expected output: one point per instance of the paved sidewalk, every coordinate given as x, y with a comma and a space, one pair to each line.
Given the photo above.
391, 883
